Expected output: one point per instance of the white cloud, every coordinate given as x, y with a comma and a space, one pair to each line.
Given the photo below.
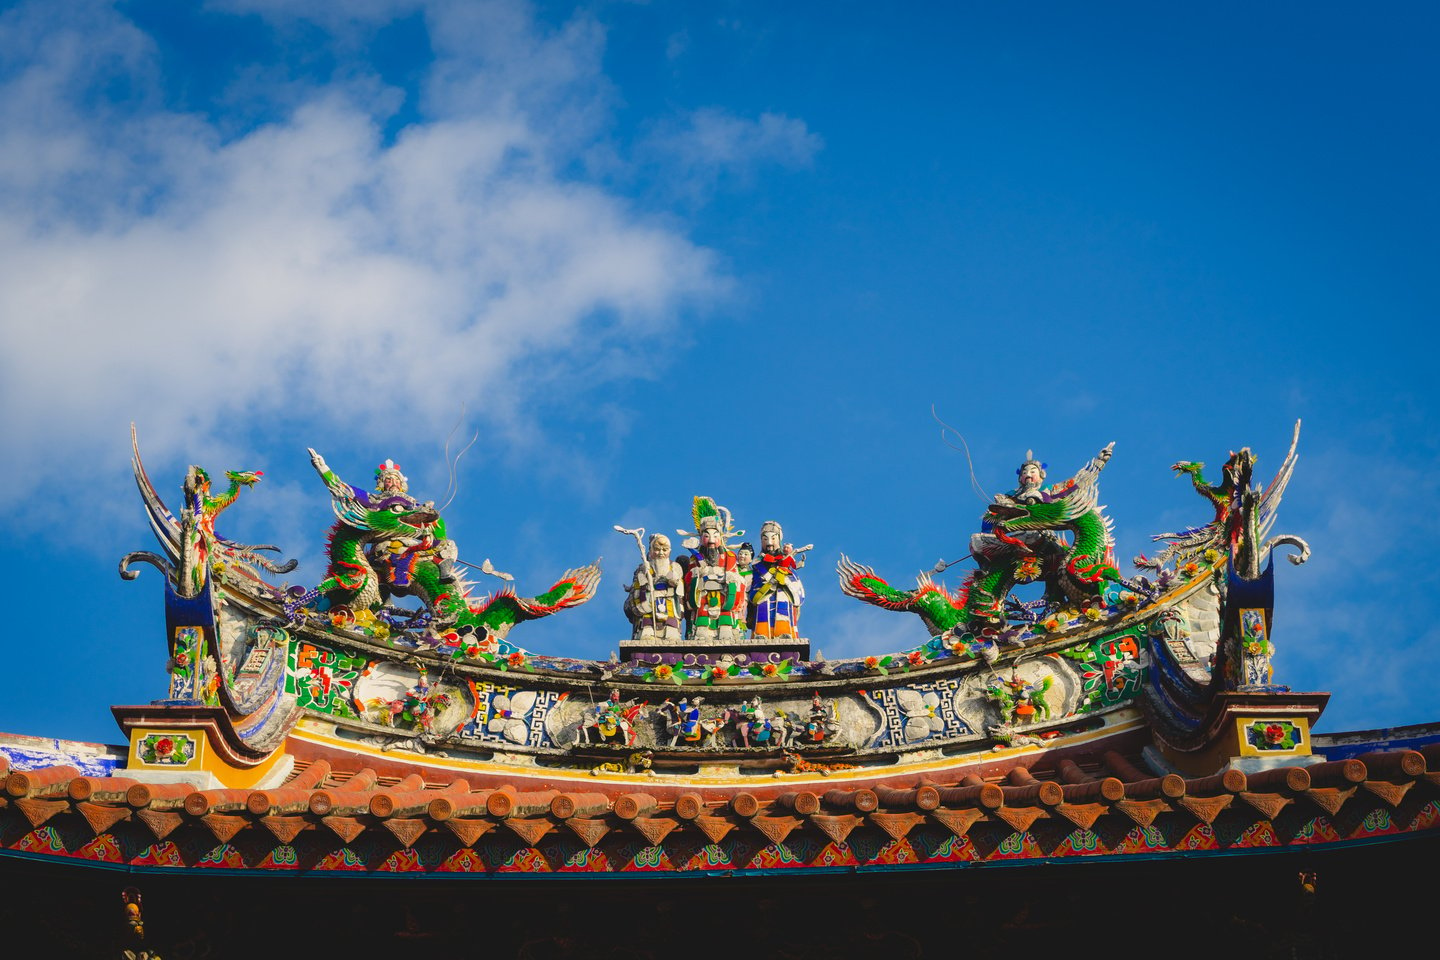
712, 144
307, 267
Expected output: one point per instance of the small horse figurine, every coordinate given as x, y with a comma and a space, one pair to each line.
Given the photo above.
754, 729
682, 723
612, 722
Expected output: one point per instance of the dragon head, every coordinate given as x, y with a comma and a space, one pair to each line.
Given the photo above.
1238, 469
246, 478
401, 517
1007, 514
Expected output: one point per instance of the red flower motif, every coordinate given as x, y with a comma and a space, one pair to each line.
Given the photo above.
1274, 733
872, 662
916, 658
164, 747
770, 669
516, 659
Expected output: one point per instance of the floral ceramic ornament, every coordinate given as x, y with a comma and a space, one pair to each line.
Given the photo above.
920, 712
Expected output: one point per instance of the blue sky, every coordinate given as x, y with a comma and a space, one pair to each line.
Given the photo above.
735, 249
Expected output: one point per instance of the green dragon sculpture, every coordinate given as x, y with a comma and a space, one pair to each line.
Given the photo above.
192, 548
386, 544
1020, 542
1244, 516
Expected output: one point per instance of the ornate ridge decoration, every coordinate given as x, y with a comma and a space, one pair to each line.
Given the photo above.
440, 674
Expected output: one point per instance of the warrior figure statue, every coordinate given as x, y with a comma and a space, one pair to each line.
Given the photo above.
394, 556
714, 590
1019, 540
386, 544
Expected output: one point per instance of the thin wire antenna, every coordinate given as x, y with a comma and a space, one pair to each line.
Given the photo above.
450, 487
455, 478
963, 448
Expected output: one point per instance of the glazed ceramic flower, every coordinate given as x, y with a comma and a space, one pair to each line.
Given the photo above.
510, 716
920, 712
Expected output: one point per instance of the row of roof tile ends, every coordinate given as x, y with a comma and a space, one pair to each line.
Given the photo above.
350, 804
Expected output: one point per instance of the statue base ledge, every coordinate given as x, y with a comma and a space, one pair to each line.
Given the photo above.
743, 652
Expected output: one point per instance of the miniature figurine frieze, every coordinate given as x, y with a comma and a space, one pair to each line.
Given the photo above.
1019, 700
692, 724
397, 695
714, 590
821, 724
681, 724
655, 596
756, 727
385, 544
613, 721
776, 593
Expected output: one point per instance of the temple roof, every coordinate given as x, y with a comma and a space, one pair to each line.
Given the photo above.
1111, 798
